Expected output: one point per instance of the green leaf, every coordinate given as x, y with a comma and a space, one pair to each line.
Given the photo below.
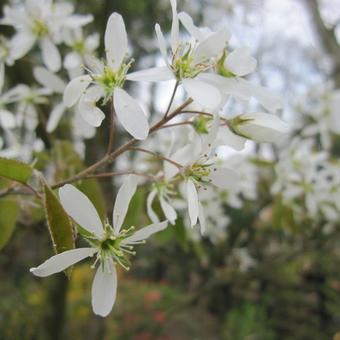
59, 224
15, 170
9, 210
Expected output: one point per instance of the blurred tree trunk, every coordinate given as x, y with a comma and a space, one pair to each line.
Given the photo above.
327, 38
57, 292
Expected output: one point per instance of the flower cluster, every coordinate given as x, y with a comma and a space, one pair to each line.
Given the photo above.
75, 92
307, 181
319, 109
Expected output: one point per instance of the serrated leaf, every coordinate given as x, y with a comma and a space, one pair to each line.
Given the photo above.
15, 170
9, 210
59, 224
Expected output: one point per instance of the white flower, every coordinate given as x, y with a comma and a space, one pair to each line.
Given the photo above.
7, 118
240, 62
107, 80
199, 168
27, 98
320, 108
162, 191
82, 50
55, 84
242, 89
40, 21
5, 58
261, 127
188, 59
110, 244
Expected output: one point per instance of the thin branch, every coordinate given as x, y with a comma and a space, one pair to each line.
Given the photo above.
119, 173
111, 157
187, 122
198, 113
34, 191
204, 114
7, 191
171, 99
157, 156
111, 128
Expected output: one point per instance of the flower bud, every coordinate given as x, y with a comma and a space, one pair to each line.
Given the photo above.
261, 127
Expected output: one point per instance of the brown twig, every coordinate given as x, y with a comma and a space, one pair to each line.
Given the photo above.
111, 128
157, 156
110, 157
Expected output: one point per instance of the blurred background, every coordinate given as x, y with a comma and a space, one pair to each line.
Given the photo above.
270, 268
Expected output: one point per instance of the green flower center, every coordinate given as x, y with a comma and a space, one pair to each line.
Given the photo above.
40, 29
110, 79
112, 246
198, 173
182, 63
79, 46
221, 69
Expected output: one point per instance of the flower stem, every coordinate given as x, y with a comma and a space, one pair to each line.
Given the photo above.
171, 99
111, 127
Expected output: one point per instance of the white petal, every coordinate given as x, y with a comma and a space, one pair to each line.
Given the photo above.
130, 114
123, 198
7, 119
230, 86
77, 20
20, 44
2, 75
146, 232
189, 25
186, 155
104, 289
262, 127
94, 64
49, 80
269, 100
205, 94
75, 89
72, 60
224, 178
202, 219
152, 74
54, 117
174, 26
161, 43
169, 211
60, 262
116, 43
92, 114
231, 139
152, 215
81, 209
211, 46
240, 62
82, 128
192, 198
50, 55
209, 142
